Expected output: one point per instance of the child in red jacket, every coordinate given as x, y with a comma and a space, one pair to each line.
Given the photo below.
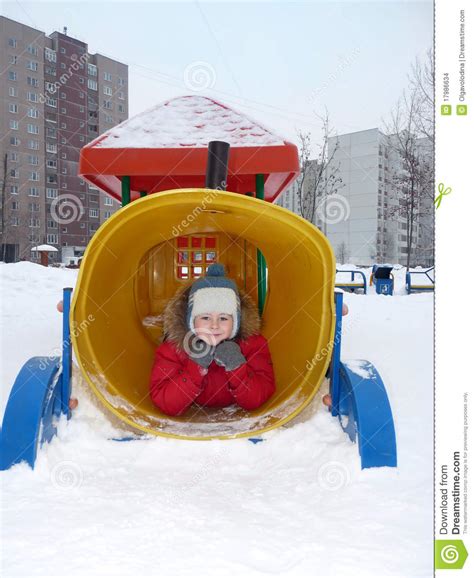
212, 353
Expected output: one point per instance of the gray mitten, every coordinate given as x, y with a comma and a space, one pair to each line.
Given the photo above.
228, 355
201, 352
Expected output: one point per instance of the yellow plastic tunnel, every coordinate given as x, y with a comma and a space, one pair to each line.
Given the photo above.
132, 267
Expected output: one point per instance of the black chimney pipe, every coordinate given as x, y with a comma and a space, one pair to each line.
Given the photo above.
217, 161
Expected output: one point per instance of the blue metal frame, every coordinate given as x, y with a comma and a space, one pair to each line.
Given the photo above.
347, 287
409, 285
360, 401
39, 396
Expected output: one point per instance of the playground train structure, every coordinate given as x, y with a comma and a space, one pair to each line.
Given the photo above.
183, 208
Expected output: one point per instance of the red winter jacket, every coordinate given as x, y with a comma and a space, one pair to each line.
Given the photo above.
177, 381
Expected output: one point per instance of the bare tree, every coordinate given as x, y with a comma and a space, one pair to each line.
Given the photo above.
422, 86
319, 177
412, 177
342, 253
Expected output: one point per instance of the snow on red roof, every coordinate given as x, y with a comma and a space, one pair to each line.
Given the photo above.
187, 121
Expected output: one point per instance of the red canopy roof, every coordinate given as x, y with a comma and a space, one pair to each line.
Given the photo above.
166, 148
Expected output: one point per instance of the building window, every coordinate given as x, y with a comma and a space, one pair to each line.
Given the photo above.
14, 124
50, 55
108, 201
12, 42
63, 125
13, 59
121, 95
13, 91
121, 81
14, 156
52, 102
63, 65
63, 95
92, 69
32, 97
63, 111
33, 192
14, 141
14, 173
34, 176
32, 81
121, 108
93, 212
63, 50
108, 76
50, 87
51, 148
11, 75
108, 104
32, 50
32, 128
81, 138
50, 70
32, 65
108, 90
33, 160
33, 145
15, 205
51, 193
33, 113
13, 108
51, 163
53, 179
92, 84
34, 207
81, 80
14, 221
52, 238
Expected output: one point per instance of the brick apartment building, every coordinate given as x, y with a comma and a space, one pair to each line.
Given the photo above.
55, 98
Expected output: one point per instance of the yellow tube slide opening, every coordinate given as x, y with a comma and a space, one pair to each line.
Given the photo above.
130, 266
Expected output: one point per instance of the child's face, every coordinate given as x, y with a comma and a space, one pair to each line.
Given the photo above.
213, 327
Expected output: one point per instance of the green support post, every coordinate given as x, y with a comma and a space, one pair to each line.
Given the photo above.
261, 264
125, 191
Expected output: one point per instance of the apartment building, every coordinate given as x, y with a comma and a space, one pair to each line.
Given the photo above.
373, 230
56, 98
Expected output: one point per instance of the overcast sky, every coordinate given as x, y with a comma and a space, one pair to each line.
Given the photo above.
278, 62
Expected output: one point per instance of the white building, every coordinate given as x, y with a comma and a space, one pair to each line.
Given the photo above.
368, 231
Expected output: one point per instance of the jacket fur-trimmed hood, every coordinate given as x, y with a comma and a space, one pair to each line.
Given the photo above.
174, 317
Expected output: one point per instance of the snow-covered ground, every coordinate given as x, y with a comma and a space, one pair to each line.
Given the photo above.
295, 504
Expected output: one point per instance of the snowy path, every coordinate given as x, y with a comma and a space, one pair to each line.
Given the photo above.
296, 504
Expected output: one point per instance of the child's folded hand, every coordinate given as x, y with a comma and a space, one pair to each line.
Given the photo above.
228, 355
200, 352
